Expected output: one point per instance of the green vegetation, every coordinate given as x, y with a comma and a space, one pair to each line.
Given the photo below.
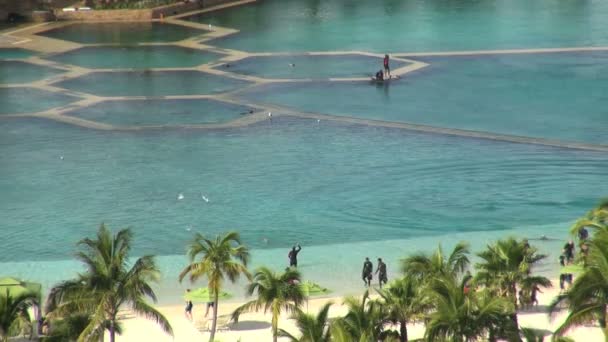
14, 317
223, 257
276, 292
312, 328
587, 299
107, 285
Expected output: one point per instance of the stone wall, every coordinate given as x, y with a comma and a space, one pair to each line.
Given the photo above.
132, 15
22, 7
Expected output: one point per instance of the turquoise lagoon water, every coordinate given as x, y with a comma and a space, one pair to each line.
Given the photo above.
290, 180
161, 112
17, 72
12, 53
308, 66
151, 83
412, 25
344, 191
122, 33
136, 57
556, 96
18, 100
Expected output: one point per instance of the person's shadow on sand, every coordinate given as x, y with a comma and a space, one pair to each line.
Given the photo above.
250, 325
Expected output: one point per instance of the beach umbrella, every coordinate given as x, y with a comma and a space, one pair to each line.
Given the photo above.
204, 295
16, 287
311, 289
571, 269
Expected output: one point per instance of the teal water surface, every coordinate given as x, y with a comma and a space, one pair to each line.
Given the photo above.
14, 53
17, 72
289, 180
161, 112
136, 57
309, 66
151, 83
412, 25
122, 32
30, 100
556, 96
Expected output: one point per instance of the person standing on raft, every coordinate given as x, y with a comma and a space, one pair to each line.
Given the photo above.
387, 69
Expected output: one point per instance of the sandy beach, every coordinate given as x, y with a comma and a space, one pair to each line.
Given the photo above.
256, 326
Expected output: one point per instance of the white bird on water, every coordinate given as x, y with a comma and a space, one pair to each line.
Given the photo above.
61, 157
180, 196
205, 198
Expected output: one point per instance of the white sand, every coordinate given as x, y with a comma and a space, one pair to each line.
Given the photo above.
254, 327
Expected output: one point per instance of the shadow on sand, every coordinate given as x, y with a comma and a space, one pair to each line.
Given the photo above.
249, 325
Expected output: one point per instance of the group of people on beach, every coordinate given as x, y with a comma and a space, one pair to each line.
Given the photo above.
568, 257
368, 268
190, 306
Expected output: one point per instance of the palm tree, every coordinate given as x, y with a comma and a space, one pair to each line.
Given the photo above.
69, 328
107, 285
507, 265
404, 301
13, 311
223, 257
587, 299
596, 218
423, 266
312, 328
364, 321
275, 293
460, 316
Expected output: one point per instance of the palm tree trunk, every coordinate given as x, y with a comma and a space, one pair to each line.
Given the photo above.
275, 322
403, 331
214, 323
112, 331
513, 293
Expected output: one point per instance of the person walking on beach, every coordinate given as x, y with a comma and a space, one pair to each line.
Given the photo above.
293, 255
366, 274
188, 310
381, 271
209, 306
387, 69
569, 252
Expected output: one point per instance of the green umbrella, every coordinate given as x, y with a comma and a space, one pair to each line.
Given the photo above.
204, 295
571, 269
16, 287
313, 289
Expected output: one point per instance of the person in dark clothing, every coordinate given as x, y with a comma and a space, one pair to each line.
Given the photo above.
366, 274
381, 271
569, 251
293, 255
387, 69
583, 234
564, 278
379, 76
188, 309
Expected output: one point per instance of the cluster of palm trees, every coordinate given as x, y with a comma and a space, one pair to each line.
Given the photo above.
437, 290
